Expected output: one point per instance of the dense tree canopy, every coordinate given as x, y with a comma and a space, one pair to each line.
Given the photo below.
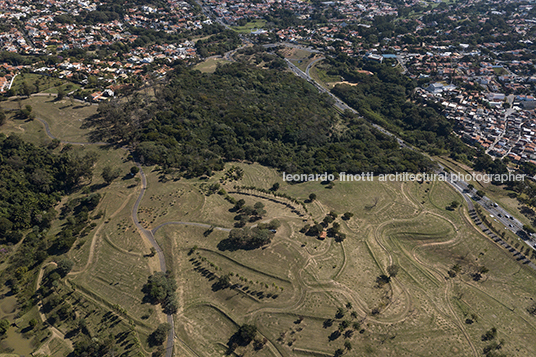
33, 180
245, 113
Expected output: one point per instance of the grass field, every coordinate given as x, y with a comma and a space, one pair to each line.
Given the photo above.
64, 117
421, 311
250, 26
432, 303
210, 64
41, 83
300, 58
319, 73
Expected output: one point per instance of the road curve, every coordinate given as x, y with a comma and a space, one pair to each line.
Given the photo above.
150, 237
310, 65
144, 232
49, 134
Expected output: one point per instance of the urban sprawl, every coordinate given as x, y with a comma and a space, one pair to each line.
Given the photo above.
474, 58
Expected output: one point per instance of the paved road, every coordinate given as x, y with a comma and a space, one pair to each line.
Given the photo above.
339, 104
310, 65
147, 233
150, 237
49, 134
208, 13
292, 45
498, 213
401, 62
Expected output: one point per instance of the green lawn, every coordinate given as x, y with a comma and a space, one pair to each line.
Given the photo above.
250, 26
65, 118
41, 83
210, 65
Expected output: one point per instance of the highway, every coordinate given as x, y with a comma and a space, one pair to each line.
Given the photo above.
339, 104
497, 212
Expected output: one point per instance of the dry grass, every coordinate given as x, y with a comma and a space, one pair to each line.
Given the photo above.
422, 310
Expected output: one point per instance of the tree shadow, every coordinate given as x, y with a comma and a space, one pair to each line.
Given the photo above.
334, 335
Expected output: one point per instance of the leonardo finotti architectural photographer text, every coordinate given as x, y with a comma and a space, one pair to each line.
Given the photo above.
403, 176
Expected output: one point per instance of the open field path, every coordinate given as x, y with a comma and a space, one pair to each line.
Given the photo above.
54, 331
96, 236
82, 143
431, 270
147, 234
195, 224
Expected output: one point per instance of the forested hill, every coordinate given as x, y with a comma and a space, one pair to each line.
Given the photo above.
245, 113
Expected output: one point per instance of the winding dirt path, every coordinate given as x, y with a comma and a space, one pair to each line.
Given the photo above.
54, 331
147, 234
96, 236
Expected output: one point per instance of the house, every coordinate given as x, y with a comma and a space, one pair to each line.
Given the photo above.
373, 57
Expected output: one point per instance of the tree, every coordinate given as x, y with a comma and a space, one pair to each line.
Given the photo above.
490, 334
3, 117
470, 187
239, 204
259, 209
345, 324
4, 326
246, 333
159, 352
158, 337
5, 225
340, 237
224, 281
64, 267
32, 323
312, 197
61, 93
26, 90
340, 313
382, 280
348, 345
393, 270
26, 113
274, 224
134, 170
480, 193
347, 216
453, 205
109, 174
274, 188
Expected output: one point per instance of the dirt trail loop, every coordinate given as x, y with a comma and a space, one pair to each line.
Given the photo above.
54, 331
